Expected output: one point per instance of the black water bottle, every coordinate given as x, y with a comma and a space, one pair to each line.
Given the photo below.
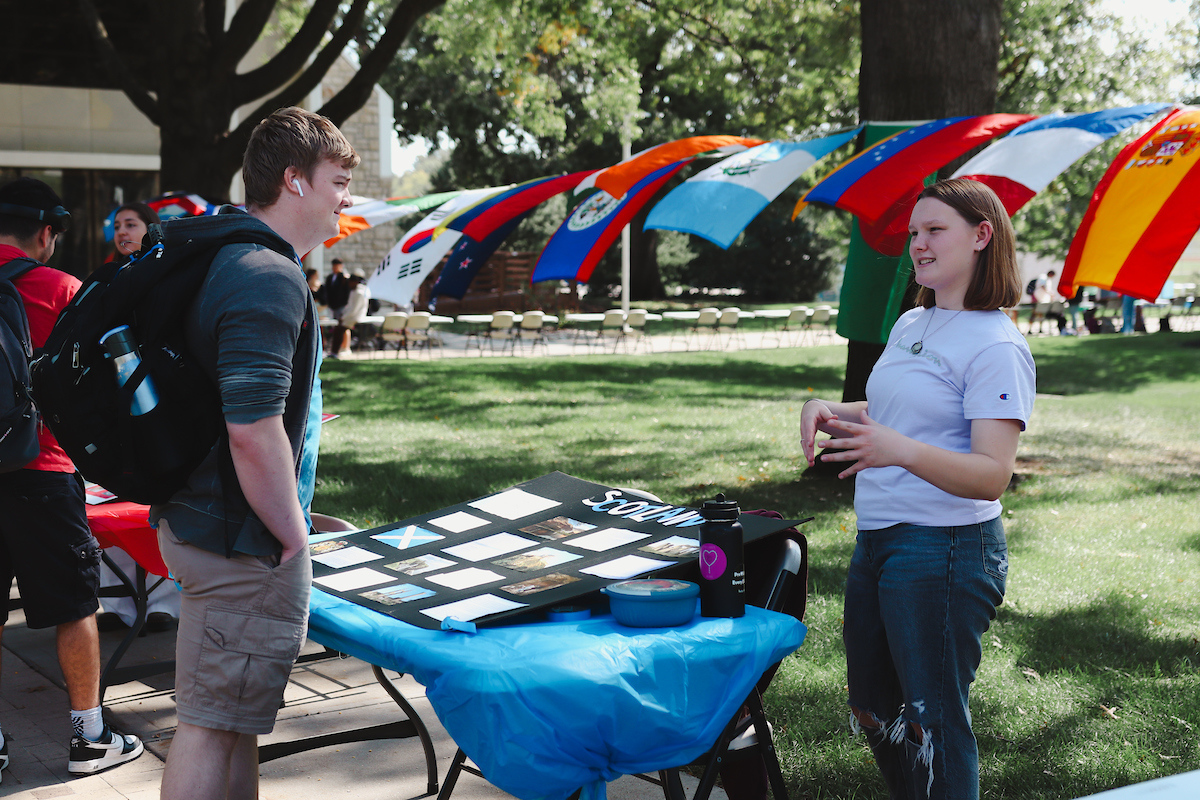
722, 566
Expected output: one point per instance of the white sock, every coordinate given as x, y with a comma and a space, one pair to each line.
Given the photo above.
88, 724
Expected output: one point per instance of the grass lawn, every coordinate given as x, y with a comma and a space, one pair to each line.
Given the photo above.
1089, 678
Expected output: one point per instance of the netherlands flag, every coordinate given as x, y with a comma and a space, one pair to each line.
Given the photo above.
1025, 161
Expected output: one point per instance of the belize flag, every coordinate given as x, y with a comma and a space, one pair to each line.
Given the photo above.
367, 213
1024, 162
481, 218
880, 185
718, 203
578, 244
399, 275
1143, 213
468, 256
619, 178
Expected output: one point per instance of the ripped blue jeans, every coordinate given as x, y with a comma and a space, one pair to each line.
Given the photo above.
918, 601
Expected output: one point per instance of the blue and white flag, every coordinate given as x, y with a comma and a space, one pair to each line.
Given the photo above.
721, 201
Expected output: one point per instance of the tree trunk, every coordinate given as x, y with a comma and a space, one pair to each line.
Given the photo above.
644, 281
921, 60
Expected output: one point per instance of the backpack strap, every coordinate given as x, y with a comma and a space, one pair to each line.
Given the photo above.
18, 267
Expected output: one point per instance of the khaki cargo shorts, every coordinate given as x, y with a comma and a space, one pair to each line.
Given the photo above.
242, 624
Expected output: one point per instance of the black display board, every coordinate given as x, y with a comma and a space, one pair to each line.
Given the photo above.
541, 543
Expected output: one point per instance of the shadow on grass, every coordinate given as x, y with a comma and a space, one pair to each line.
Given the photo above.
559, 383
1115, 363
1110, 633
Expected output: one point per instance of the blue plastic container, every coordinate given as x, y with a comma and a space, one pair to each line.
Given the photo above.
652, 602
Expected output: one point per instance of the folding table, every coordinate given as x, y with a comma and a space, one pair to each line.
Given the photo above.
547, 708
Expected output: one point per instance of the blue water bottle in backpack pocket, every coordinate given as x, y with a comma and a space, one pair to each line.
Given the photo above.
123, 350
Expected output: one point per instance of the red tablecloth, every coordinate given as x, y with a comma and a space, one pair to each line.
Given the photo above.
127, 525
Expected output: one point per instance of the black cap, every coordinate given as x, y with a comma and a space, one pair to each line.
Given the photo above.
720, 510
29, 198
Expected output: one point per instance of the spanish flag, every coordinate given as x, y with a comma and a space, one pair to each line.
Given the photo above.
1143, 213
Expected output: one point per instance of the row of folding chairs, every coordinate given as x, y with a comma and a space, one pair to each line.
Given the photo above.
509, 333
408, 332
806, 326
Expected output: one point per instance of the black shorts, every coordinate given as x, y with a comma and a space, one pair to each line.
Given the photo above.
46, 543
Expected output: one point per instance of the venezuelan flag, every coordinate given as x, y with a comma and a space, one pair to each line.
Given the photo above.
1143, 213
880, 185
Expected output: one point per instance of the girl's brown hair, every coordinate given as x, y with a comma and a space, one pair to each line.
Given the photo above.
997, 280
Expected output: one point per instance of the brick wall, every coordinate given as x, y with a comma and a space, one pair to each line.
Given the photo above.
366, 249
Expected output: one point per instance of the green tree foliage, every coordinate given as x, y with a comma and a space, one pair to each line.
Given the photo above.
549, 86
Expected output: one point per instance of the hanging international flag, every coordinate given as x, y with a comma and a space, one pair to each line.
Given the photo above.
468, 256
721, 201
880, 185
1024, 162
399, 275
367, 213
484, 216
619, 178
578, 244
1143, 213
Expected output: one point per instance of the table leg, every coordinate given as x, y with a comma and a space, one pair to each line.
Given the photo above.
113, 673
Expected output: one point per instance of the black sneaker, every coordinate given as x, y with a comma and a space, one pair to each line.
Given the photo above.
88, 757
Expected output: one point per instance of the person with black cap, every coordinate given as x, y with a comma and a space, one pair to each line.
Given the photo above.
45, 541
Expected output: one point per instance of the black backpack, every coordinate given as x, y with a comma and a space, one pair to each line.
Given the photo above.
18, 415
145, 458
1029, 287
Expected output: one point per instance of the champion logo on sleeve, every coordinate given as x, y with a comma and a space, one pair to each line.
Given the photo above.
1005, 396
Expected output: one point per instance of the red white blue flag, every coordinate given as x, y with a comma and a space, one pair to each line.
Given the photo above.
1023, 163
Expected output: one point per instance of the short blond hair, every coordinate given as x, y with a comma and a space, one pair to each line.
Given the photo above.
290, 137
997, 280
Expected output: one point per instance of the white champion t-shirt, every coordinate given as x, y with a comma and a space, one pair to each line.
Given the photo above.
975, 365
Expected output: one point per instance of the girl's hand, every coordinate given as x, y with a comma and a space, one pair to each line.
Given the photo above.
868, 443
813, 415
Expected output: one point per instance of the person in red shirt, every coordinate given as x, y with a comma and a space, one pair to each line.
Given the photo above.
45, 541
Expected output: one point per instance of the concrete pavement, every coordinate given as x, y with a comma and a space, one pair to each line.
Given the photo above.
322, 697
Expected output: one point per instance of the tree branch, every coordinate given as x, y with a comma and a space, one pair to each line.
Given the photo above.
214, 22
298, 89
141, 98
716, 37
355, 93
290, 60
244, 29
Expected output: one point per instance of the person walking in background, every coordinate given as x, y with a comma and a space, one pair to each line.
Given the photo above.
947, 402
352, 313
243, 569
336, 289
45, 541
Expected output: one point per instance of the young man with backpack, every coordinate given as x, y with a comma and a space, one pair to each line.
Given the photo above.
44, 536
243, 567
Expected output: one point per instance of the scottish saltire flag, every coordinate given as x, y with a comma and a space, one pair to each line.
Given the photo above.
1143, 213
619, 178
468, 256
721, 201
578, 244
880, 185
1024, 162
399, 275
481, 218
367, 213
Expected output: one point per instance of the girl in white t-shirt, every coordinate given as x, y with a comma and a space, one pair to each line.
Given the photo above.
948, 399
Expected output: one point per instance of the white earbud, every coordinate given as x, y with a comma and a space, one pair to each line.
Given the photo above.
298, 187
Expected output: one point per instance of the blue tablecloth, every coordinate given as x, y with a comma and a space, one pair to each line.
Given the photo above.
545, 709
